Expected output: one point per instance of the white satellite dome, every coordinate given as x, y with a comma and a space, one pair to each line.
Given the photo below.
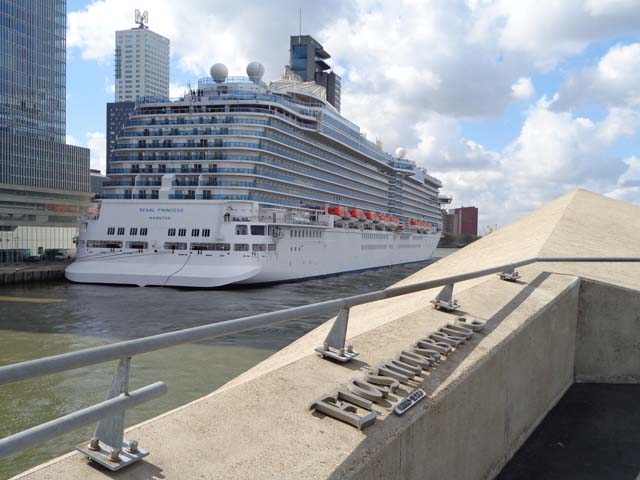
400, 152
219, 72
255, 70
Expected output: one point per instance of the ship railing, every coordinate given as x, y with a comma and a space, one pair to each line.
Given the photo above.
108, 446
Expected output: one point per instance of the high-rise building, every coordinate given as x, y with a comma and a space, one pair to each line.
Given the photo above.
44, 183
461, 221
141, 70
141, 64
308, 59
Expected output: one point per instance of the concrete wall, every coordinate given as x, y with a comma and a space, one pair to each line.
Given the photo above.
485, 418
608, 334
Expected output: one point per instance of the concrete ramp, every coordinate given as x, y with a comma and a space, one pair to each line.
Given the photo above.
560, 324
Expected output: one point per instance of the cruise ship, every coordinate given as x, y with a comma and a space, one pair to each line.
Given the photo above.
244, 182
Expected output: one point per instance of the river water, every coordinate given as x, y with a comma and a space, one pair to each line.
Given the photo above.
50, 318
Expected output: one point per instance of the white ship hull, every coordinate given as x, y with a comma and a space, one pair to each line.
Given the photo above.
287, 251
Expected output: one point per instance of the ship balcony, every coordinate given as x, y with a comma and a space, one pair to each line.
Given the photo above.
146, 196
185, 183
145, 183
118, 183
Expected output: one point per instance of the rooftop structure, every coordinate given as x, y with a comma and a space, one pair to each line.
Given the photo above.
309, 61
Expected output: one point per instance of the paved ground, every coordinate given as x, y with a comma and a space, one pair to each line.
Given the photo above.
48, 265
592, 433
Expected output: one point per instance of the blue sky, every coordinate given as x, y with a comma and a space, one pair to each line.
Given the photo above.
510, 103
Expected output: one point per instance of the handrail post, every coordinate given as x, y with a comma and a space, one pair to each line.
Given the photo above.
445, 301
334, 345
108, 446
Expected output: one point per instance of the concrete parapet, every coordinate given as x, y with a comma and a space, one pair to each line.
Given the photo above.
558, 324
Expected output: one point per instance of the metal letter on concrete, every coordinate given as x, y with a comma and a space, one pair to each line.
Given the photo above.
445, 301
108, 446
334, 347
330, 405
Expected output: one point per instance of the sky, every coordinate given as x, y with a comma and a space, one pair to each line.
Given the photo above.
510, 103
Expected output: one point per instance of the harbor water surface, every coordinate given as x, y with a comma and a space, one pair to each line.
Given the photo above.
38, 320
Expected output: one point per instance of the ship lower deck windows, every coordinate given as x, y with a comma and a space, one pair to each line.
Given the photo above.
241, 230
175, 246
111, 231
195, 232
220, 247
144, 231
182, 232
133, 231
120, 230
104, 244
206, 232
137, 245
257, 229
259, 247
172, 232
241, 247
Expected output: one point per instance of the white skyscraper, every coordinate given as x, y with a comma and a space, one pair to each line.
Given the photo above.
142, 63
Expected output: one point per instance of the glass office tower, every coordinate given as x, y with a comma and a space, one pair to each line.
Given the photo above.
44, 183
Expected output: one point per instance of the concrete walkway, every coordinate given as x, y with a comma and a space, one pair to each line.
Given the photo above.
554, 326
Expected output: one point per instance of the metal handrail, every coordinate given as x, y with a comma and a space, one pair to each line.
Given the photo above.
127, 349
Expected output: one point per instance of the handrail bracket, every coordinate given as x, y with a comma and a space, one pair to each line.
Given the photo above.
445, 301
108, 447
334, 345
509, 275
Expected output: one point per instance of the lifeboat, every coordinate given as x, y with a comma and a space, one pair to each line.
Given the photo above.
372, 217
357, 214
339, 211
414, 222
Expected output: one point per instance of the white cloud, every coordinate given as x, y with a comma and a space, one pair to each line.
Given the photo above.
413, 71
96, 142
177, 90
523, 89
614, 81
71, 140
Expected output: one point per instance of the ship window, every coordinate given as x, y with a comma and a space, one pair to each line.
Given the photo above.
143, 231
206, 232
195, 232
172, 232
104, 244
271, 247
133, 231
120, 230
241, 230
175, 246
257, 229
137, 245
259, 247
182, 232
241, 247
111, 230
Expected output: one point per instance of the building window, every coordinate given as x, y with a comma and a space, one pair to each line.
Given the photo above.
143, 231
241, 247
182, 232
172, 232
120, 230
257, 229
259, 247
175, 246
111, 230
195, 232
241, 230
206, 232
133, 231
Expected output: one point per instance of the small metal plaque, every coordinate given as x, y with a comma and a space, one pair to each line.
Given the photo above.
409, 401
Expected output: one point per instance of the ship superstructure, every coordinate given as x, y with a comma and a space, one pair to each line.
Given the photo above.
240, 181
